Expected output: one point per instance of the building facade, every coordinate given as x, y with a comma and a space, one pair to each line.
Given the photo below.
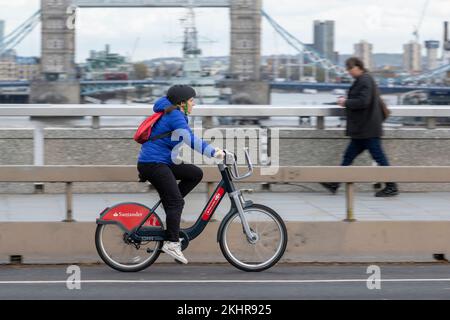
13, 67
412, 57
105, 65
8, 66
27, 68
432, 54
324, 39
364, 51
245, 40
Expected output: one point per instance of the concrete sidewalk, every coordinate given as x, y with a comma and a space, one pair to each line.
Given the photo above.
291, 206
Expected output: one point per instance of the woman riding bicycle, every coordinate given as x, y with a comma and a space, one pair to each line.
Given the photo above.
155, 162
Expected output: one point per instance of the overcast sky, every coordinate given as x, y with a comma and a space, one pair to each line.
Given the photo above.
388, 24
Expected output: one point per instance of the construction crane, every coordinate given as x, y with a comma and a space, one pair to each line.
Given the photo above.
419, 24
136, 42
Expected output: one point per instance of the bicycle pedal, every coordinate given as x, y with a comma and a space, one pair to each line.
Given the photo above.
247, 190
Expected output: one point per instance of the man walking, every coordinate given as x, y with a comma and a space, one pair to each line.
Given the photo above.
364, 123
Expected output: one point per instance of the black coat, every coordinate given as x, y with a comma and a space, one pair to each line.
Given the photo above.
364, 113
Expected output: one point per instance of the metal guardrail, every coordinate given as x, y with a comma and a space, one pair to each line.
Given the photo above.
45, 110
431, 112
347, 175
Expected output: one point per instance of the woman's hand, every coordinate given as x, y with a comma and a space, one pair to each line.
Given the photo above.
219, 154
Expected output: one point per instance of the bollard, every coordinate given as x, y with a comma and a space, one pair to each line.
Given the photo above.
268, 145
69, 207
349, 198
95, 122
38, 151
207, 122
431, 123
320, 123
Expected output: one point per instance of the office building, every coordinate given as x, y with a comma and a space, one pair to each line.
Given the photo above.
364, 51
412, 57
324, 39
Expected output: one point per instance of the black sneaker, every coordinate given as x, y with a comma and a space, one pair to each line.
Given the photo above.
389, 191
332, 187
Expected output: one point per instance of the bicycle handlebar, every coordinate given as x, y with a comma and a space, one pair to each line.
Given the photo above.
230, 160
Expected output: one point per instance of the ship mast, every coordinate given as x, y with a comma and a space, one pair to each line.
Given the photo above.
191, 51
190, 44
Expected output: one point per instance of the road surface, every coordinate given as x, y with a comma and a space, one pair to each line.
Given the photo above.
224, 282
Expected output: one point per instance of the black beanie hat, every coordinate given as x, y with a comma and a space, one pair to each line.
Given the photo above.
179, 93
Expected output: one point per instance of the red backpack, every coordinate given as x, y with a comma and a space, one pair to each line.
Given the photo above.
144, 130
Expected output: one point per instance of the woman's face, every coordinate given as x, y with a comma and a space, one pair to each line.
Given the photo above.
190, 104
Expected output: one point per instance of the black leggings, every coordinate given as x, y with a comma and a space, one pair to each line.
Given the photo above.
164, 178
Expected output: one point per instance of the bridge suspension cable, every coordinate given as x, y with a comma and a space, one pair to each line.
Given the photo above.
316, 58
428, 75
18, 34
312, 55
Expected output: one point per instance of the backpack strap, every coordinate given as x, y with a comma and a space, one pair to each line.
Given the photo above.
160, 136
166, 134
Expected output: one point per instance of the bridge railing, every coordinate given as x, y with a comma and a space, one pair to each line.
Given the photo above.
430, 112
347, 175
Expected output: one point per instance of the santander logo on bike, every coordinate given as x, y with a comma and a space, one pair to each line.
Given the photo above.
127, 214
213, 204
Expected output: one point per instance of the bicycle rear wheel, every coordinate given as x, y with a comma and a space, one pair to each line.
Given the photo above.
260, 254
120, 252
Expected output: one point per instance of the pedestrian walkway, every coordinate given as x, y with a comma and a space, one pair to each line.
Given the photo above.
292, 206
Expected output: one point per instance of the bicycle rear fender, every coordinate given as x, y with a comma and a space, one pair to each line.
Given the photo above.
128, 216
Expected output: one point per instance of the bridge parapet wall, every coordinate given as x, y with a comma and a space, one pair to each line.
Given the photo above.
299, 147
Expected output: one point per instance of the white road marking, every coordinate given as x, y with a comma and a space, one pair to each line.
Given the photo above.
218, 281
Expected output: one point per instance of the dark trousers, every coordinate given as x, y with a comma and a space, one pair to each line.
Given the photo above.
164, 178
357, 146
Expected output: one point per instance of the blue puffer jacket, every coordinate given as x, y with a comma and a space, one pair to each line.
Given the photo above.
160, 150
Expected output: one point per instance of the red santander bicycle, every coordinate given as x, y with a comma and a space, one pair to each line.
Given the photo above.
252, 237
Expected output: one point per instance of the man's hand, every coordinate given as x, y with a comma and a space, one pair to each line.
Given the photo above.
341, 101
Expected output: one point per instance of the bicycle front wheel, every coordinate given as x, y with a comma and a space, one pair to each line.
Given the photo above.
259, 254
